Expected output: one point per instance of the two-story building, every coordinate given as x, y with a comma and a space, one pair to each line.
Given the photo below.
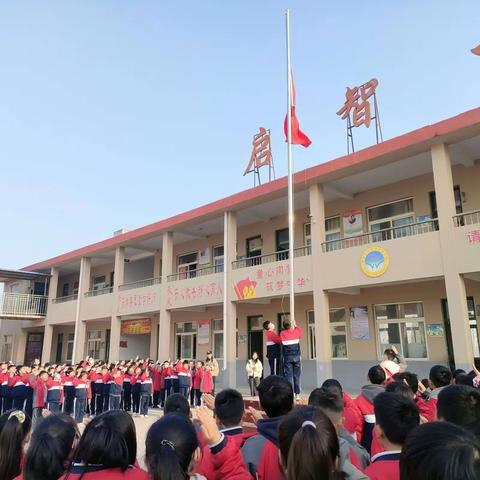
387, 252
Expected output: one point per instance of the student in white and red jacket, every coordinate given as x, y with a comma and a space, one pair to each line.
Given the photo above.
116, 390
82, 388
55, 393
40, 389
292, 361
184, 379
274, 346
145, 392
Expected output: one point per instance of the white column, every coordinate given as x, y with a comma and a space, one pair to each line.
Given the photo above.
454, 283
157, 264
48, 333
229, 305
320, 296
164, 340
81, 326
116, 323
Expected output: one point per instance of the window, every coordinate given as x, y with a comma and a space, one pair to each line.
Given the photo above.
7, 348
94, 338
402, 325
393, 215
186, 340
218, 338
254, 251
75, 288
307, 237
187, 265
338, 333
332, 233
281, 238
99, 282
70, 340
218, 260
65, 289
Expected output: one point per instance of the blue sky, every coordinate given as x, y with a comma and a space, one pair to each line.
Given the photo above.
117, 114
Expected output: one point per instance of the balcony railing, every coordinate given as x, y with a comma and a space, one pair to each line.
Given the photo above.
382, 235
99, 291
66, 298
140, 284
270, 257
467, 218
199, 272
22, 305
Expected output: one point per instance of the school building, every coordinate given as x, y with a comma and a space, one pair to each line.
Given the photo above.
387, 252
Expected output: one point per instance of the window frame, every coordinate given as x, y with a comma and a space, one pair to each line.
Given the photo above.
216, 331
218, 268
390, 219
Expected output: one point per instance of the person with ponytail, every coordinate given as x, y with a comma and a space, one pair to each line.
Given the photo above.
107, 450
173, 451
308, 446
50, 449
15, 428
393, 362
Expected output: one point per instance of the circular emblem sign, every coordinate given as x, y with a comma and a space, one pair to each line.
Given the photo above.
374, 261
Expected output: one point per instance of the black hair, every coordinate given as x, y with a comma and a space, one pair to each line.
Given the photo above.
440, 376
170, 445
14, 428
266, 324
50, 448
330, 402
229, 407
308, 445
177, 403
465, 379
457, 372
396, 415
42, 372
400, 388
286, 324
440, 451
460, 404
410, 377
276, 395
332, 384
390, 354
109, 440
376, 375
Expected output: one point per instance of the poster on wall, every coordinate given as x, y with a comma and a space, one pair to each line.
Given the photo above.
138, 326
203, 332
352, 223
204, 256
435, 330
359, 326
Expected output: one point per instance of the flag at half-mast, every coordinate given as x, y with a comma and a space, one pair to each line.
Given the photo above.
297, 136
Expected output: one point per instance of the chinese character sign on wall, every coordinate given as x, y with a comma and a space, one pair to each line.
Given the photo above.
261, 155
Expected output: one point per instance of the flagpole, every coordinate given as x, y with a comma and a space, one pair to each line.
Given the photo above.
290, 172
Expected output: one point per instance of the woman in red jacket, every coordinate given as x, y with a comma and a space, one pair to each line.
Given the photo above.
107, 450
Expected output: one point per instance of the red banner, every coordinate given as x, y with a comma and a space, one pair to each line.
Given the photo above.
138, 326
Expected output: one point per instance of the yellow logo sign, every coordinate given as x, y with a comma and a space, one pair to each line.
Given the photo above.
374, 261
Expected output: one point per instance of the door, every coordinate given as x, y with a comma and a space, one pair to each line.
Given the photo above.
281, 244
59, 351
187, 346
107, 346
34, 347
255, 336
254, 250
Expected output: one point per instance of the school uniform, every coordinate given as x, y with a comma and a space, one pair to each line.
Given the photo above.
168, 381
39, 399
174, 377
81, 397
92, 377
157, 373
207, 382
54, 395
384, 466
69, 392
135, 381
353, 417
292, 364
364, 403
145, 392
192, 390
97, 472
116, 389
18, 384
197, 386
163, 390
127, 393
6, 397
107, 383
274, 345
183, 381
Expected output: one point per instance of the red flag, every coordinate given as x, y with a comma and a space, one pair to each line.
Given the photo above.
298, 137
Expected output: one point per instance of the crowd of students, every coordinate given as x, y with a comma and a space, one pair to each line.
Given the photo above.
398, 428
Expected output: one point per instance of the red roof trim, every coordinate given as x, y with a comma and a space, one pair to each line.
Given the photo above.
424, 134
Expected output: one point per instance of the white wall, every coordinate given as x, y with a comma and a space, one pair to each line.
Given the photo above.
137, 345
139, 270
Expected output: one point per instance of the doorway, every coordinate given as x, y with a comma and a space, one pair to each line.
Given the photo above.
254, 251
281, 244
186, 340
34, 347
255, 336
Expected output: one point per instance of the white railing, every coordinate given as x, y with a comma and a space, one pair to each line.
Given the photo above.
98, 291
22, 305
270, 257
467, 218
199, 272
66, 298
140, 283
381, 235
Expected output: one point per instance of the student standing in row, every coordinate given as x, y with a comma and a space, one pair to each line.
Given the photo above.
274, 345
292, 362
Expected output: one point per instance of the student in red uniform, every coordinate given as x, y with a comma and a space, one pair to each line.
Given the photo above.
207, 380
18, 383
183, 379
309, 446
68, 390
40, 391
157, 380
440, 451
197, 384
127, 389
173, 450
229, 409
136, 383
15, 428
3, 381
260, 452
81, 395
116, 390
274, 345
54, 393
377, 377
439, 378
145, 392
7, 389
50, 449
292, 357
396, 416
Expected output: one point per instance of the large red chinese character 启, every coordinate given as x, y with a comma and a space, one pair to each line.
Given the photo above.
261, 152
357, 99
